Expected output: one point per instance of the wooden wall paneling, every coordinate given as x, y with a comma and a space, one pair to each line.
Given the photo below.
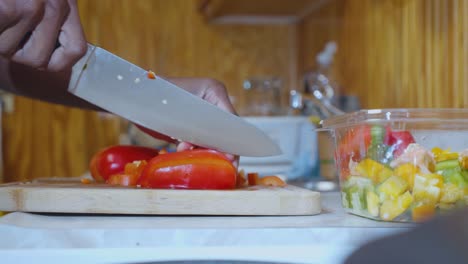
43, 140
258, 11
397, 53
463, 13
233, 53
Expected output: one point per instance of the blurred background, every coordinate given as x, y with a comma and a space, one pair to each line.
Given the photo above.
283, 62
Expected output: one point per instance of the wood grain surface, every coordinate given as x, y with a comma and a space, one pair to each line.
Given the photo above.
258, 11
104, 199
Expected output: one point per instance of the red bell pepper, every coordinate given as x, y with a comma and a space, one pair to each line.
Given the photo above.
353, 145
112, 160
398, 141
191, 169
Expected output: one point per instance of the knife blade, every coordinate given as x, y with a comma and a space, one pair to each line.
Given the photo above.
122, 88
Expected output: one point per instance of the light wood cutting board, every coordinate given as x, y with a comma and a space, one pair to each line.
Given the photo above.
74, 197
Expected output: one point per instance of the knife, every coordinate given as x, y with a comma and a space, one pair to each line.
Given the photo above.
124, 89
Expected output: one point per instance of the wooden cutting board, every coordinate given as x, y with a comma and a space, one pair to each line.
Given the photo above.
74, 197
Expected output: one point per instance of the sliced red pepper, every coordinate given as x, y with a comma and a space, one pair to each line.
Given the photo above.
274, 181
123, 179
253, 178
130, 176
353, 145
191, 169
399, 141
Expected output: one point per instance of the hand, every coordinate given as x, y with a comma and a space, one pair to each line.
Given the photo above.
29, 30
208, 89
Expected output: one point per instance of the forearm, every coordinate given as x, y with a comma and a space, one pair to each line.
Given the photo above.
46, 86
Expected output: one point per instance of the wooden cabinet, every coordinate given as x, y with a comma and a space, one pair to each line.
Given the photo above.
258, 11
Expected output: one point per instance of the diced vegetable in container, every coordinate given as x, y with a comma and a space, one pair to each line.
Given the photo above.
406, 165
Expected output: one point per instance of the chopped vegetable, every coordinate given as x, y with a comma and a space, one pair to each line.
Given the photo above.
399, 140
441, 155
398, 179
131, 174
451, 193
253, 178
123, 179
355, 191
353, 145
112, 160
190, 169
391, 208
373, 203
274, 181
427, 188
423, 212
407, 172
151, 75
241, 181
455, 176
85, 181
463, 159
392, 187
447, 164
373, 170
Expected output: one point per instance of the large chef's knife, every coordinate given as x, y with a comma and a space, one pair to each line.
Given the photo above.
124, 89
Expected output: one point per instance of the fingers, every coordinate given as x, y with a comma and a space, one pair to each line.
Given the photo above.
18, 18
72, 41
8, 15
218, 95
29, 30
155, 134
208, 89
183, 146
38, 50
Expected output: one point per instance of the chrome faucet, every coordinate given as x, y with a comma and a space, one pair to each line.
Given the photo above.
325, 108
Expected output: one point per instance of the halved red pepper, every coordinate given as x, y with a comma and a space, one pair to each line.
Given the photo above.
112, 160
191, 169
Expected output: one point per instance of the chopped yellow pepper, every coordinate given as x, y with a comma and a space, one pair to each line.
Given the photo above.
463, 162
427, 188
441, 155
391, 208
372, 203
423, 212
407, 172
393, 187
373, 170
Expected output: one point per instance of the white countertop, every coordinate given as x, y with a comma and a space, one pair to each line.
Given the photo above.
325, 238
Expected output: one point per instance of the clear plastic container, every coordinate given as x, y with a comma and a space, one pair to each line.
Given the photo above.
405, 165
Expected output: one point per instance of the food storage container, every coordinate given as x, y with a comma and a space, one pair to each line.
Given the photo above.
405, 165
